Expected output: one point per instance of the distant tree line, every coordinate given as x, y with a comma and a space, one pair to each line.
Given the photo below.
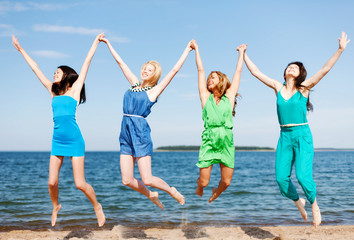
196, 148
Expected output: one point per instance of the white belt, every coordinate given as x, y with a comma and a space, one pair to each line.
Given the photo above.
132, 115
294, 124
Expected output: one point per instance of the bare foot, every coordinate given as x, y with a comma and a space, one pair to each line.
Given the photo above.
55, 214
199, 191
213, 195
316, 215
101, 219
176, 195
154, 197
301, 206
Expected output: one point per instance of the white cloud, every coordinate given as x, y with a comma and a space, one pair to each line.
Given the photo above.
76, 30
7, 30
7, 6
50, 54
5, 26
66, 29
45, 6
119, 39
18, 7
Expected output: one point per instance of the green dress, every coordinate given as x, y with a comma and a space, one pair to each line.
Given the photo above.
217, 138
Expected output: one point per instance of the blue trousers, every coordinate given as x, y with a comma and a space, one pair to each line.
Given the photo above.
295, 146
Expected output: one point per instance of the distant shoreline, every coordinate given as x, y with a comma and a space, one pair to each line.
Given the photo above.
238, 149
261, 150
195, 148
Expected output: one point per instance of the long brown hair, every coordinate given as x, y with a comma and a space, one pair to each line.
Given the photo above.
223, 85
299, 80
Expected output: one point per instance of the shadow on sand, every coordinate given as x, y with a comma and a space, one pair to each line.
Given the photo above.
258, 233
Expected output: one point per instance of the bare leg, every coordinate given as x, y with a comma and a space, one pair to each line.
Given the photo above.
226, 177
301, 206
127, 169
144, 164
80, 182
316, 214
203, 180
53, 180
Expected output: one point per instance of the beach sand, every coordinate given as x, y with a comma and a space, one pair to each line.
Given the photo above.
200, 233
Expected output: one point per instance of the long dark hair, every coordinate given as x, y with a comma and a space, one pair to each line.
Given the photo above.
69, 77
299, 80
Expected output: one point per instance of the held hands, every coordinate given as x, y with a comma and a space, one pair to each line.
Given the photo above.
103, 39
242, 48
194, 44
99, 37
343, 41
189, 45
16, 43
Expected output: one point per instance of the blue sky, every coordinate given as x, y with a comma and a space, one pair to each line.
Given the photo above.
277, 32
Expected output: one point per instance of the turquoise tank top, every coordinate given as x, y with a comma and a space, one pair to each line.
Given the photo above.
292, 110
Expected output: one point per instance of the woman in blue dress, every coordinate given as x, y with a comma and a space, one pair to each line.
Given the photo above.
67, 92
135, 140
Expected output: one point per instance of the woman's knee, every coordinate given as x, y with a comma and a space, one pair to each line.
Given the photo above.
127, 181
226, 182
52, 184
281, 179
305, 180
81, 185
203, 182
147, 181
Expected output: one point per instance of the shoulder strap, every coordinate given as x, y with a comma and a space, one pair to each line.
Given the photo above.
281, 88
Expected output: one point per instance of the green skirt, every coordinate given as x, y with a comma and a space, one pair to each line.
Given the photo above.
217, 147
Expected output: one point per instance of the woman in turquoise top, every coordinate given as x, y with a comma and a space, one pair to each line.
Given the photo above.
135, 140
67, 92
295, 141
217, 96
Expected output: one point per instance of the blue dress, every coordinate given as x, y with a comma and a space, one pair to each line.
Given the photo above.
67, 138
135, 136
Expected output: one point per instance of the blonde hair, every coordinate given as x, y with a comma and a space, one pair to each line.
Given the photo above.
157, 74
223, 85
224, 82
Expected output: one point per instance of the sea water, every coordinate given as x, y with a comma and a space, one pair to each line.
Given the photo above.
253, 199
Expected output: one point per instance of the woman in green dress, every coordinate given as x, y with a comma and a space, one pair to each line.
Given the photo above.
218, 98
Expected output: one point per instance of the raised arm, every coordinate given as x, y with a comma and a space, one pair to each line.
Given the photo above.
262, 77
202, 87
158, 89
232, 91
45, 81
125, 69
77, 86
312, 81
